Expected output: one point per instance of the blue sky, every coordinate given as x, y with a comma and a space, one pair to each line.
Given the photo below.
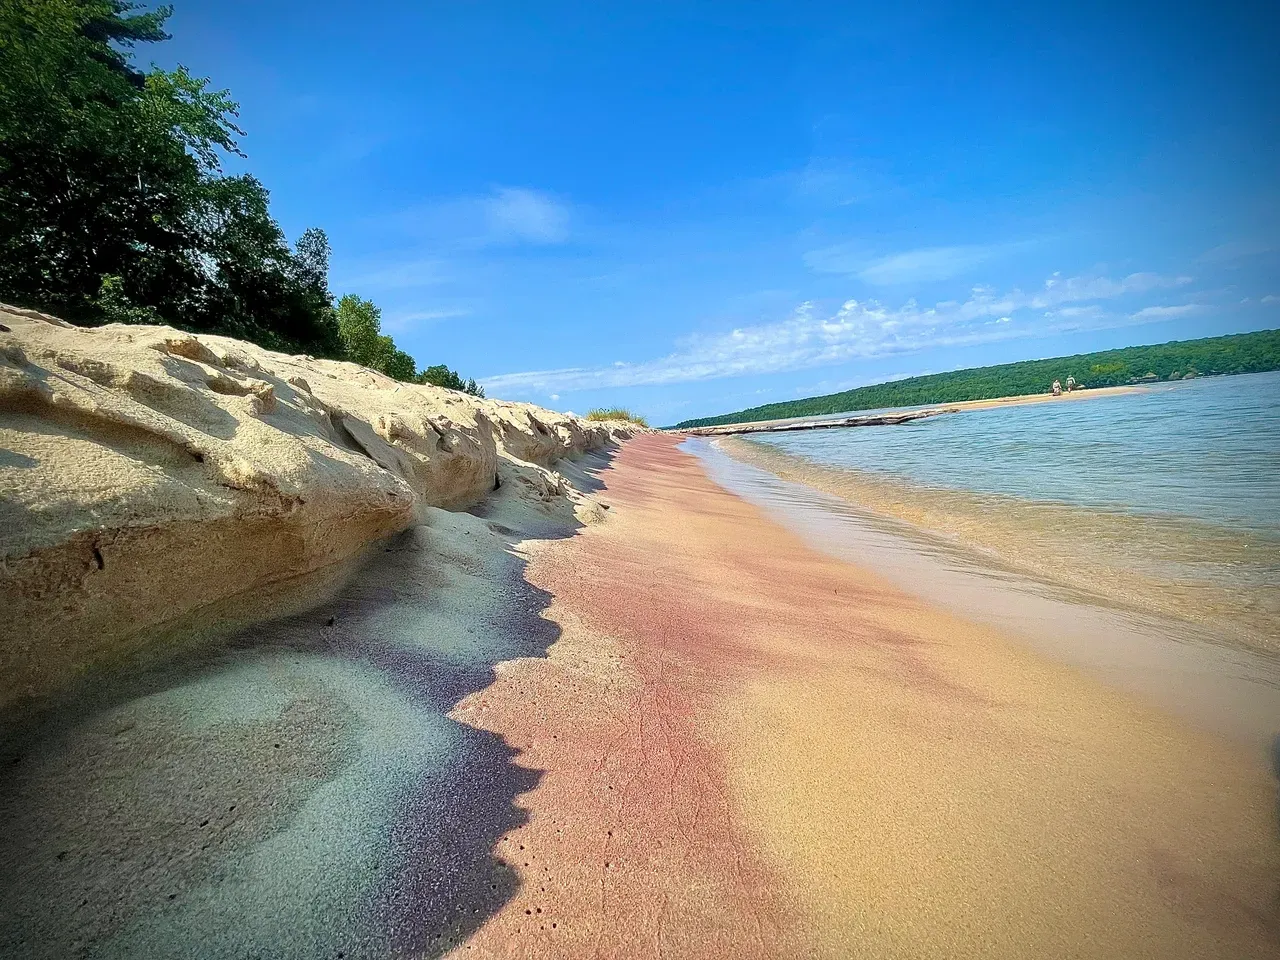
691, 208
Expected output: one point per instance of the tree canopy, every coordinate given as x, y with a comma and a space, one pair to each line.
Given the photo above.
360, 330
114, 206
441, 376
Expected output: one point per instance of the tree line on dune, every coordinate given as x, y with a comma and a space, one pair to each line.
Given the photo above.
114, 207
1211, 356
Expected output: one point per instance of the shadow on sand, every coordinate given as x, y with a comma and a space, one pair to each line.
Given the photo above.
299, 789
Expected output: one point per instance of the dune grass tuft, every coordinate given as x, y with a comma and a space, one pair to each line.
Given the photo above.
616, 413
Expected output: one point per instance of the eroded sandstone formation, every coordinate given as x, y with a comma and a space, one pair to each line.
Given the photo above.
146, 473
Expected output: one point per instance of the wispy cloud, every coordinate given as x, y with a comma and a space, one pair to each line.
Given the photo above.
406, 320
825, 183
1147, 314
812, 337
912, 266
1091, 311
517, 213
426, 315
405, 274
503, 216
445, 239
840, 183
1235, 250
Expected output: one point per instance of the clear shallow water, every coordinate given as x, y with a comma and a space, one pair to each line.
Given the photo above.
1206, 449
1228, 688
1164, 502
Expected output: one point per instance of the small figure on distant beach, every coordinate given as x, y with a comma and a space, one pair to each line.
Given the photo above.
1071, 383
1057, 389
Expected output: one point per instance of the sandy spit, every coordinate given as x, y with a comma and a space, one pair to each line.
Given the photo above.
959, 406
750, 749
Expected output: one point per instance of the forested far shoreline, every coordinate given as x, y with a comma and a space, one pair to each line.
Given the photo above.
1211, 356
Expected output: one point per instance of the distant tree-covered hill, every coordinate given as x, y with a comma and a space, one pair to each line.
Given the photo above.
1239, 353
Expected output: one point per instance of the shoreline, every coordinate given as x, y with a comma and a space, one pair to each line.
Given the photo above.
1228, 686
1006, 533
872, 770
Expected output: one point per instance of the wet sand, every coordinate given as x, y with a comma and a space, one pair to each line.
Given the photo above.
752, 749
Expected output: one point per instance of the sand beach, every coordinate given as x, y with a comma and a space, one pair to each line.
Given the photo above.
391, 567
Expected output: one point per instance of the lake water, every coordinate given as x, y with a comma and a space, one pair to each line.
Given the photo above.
1136, 533
1208, 449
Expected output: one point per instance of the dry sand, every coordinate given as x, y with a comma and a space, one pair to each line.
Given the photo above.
751, 749
1082, 394
148, 475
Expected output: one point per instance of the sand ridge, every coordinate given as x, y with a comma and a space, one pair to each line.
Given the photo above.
147, 473
298, 788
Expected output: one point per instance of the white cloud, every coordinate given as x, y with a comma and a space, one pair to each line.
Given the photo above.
505, 216
938, 263
811, 337
826, 182
399, 322
443, 240
1090, 312
1271, 298
912, 266
1148, 314
1236, 250
423, 272
839, 183
516, 213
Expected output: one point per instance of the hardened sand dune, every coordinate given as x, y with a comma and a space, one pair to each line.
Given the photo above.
146, 473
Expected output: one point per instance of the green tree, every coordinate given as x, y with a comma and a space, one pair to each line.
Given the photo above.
360, 329
113, 206
399, 365
440, 375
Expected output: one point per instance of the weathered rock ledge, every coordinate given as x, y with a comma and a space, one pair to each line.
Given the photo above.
146, 473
